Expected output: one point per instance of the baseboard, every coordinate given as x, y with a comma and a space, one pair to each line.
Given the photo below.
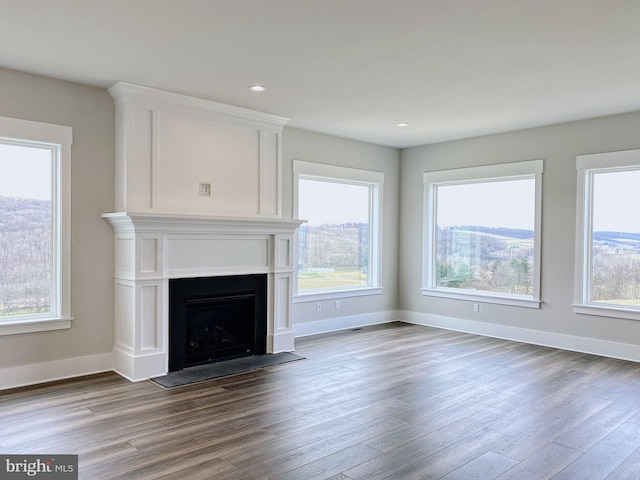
604, 348
32, 374
24, 375
328, 325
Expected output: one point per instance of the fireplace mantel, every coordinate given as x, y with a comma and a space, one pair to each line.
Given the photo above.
130, 222
152, 248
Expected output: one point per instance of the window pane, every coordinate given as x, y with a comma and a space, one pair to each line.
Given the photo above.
333, 247
615, 248
485, 236
25, 230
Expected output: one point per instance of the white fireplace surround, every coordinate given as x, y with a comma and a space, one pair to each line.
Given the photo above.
153, 248
198, 194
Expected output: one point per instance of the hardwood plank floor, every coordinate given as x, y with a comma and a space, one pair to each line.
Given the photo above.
394, 401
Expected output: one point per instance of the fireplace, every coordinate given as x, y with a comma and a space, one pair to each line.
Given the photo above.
216, 318
155, 252
169, 146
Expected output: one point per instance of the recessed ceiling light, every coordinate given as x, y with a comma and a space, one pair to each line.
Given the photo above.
257, 88
402, 124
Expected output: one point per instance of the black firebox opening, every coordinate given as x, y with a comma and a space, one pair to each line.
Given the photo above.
216, 318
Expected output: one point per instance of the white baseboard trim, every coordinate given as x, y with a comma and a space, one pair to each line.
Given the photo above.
343, 323
24, 375
604, 348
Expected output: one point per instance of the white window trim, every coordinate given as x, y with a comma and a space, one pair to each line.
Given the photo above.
586, 166
62, 136
351, 176
505, 171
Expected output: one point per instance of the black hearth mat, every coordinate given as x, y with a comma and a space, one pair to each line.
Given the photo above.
222, 369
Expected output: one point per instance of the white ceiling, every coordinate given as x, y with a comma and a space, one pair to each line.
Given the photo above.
352, 68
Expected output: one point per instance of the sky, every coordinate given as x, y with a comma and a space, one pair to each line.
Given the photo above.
25, 172
329, 202
508, 204
616, 199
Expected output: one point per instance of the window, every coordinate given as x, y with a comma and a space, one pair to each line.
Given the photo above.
34, 226
482, 233
338, 249
608, 235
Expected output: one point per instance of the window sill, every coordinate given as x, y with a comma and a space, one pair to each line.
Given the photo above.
14, 327
607, 311
484, 298
317, 296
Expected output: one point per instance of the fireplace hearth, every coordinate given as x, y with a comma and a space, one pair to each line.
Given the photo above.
214, 319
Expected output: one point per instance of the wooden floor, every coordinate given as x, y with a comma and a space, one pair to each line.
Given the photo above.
396, 401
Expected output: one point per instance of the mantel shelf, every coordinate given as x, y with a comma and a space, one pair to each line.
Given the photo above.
131, 222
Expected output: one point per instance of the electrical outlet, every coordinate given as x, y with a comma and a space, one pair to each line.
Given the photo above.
318, 307
476, 307
205, 189
337, 304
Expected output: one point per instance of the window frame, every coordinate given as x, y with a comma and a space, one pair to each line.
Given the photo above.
60, 138
472, 175
345, 175
587, 166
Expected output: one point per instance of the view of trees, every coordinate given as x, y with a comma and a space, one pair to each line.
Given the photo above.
25, 256
469, 257
616, 268
481, 258
333, 255
501, 260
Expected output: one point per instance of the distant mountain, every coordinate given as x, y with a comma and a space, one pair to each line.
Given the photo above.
604, 236
616, 237
501, 231
24, 215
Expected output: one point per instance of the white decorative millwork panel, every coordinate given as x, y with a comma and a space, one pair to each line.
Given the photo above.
270, 173
149, 305
284, 253
139, 172
125, 255
283, 335
124, 313
202, 255
149, 255
168, 145
195, 149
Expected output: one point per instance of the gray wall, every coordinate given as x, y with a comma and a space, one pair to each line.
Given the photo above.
558, 145
314, 147
90, 112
